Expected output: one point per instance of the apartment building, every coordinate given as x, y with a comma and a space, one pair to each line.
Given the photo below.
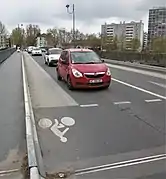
145, 40
2, 41
124, 32
41, 41
156, 23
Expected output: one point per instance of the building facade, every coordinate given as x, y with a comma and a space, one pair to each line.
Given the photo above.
156, 23
145, 40
125, 32
2, 41
41, 41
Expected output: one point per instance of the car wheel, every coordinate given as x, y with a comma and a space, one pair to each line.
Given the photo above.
69, 83
49, 64
58, 76
106, 87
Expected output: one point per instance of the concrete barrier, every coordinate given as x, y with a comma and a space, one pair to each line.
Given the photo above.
152, 59
137, 65
31, 133
5, 53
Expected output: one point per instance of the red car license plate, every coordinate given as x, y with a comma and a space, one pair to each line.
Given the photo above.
95, 81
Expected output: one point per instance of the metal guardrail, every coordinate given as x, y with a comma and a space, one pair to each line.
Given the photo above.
137, 65
152, 59
5, 53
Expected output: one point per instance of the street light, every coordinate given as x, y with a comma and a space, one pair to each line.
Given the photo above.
20, 30
73, 13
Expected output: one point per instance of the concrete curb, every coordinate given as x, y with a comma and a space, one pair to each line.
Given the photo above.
33, 149
138, 66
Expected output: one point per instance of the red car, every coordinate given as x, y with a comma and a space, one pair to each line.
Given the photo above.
83, 68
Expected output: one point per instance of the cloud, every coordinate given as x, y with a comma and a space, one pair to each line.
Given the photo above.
90, 14
97, 9
147, 4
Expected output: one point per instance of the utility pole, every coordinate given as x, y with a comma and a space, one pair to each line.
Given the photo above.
20, 33
73, 13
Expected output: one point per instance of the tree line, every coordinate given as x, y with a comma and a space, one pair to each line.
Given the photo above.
27, 36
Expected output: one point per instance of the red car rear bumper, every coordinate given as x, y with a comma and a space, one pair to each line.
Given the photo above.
84, 82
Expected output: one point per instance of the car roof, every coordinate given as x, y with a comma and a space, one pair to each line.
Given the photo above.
79, 50
54, 49
36, 48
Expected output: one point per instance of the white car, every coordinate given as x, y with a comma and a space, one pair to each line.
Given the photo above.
18, 49
30, 48
52, 56
36, 51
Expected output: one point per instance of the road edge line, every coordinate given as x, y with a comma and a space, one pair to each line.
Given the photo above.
33, 147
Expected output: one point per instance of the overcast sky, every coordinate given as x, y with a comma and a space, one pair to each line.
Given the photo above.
90, 14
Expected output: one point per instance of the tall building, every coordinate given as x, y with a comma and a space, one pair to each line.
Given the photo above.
124, 32
41, 41
2, 41
156, 23
145, 40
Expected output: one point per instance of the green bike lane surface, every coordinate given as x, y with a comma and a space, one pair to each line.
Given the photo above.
99, 135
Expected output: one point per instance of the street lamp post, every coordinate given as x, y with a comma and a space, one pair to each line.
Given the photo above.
73, 13
20, 30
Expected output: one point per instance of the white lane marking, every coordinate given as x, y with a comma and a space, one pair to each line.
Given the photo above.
45, 123
6, 172
121, 164
152, 100
158, 84
88, 105
132, 69
65, 123
140, 89
68, 121
122, 102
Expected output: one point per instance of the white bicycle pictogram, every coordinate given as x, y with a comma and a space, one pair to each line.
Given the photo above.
66, 122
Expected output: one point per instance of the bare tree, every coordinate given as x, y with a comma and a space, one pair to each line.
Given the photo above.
2, 29
55, 35
32, 32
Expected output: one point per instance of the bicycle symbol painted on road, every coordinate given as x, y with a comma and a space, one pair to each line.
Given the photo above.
65, 123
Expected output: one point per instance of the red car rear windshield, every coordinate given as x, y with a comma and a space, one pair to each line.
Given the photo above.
86, 57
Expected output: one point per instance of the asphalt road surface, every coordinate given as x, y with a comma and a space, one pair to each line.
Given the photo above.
12, 126
114, 133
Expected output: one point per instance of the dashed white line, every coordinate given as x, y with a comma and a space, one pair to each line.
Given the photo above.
122, 102
158, 84
152, 100
140, 89
88, 105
